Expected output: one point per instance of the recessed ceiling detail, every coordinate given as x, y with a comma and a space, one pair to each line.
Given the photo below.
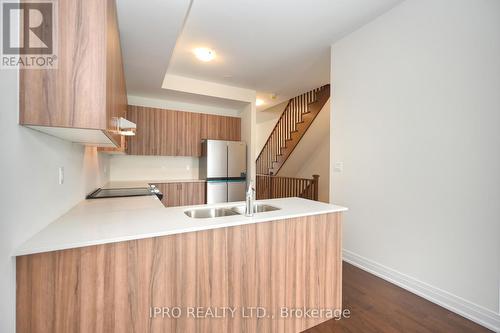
284, 49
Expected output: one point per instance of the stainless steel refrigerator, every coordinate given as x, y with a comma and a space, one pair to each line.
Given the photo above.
224, 165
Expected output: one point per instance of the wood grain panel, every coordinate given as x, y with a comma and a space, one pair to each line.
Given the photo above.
182, 194
60, 97
192, 193
188, 134
116, 92
217, 127
88, 88
176, 133
292, 263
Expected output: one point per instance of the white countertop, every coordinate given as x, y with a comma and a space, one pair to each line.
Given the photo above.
146, 182
102, 221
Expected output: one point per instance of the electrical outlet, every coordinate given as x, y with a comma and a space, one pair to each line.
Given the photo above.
338, 167
61, 175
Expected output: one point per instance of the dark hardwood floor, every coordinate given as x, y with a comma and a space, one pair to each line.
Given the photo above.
379, 306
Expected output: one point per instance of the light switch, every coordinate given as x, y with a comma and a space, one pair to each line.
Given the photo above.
61, 175
338, 167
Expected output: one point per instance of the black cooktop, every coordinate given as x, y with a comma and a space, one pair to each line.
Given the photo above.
120, 192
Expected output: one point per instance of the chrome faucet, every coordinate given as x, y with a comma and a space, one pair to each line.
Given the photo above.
249, 200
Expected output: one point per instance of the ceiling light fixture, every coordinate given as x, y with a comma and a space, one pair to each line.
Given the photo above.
204, 54
259, 102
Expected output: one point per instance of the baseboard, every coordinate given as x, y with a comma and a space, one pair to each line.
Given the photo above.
474, 312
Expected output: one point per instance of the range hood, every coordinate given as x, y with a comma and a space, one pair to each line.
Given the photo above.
125, 127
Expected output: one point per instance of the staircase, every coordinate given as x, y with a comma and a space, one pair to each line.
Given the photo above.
299, 114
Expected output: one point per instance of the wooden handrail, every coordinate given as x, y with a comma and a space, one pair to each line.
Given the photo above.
271, 187
289, 129
274, 128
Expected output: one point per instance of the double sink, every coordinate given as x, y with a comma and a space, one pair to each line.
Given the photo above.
205, 213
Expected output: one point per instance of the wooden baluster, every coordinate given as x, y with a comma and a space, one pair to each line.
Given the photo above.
270, 194
277, 138
283, 188
287, 122
283, 192
294, 117
280, 187
280, 136
276, 182
316, 187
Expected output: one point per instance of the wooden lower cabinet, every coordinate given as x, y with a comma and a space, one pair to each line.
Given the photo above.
182, 194
293, 264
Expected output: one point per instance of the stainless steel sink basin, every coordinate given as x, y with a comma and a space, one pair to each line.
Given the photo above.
205, 213
257, 208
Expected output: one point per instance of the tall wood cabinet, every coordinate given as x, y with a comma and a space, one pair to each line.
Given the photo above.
79, 100
176, 133
182, 194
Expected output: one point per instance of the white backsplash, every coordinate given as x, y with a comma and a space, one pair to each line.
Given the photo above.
128, 167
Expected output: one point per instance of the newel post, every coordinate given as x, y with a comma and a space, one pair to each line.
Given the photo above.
316, 185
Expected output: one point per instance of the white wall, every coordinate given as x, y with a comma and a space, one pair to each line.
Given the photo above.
130, 167
30, 196
312, 154
416, 122
182, 106
207, 88
248, 134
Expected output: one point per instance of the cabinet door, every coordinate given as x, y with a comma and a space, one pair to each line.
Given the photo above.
156, 131
188, 131
209, 127
166, 132
175, 133
233, 129
193, 193
182, 194
220, 127
174, 195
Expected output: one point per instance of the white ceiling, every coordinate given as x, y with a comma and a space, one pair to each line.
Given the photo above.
273, 46
148, 33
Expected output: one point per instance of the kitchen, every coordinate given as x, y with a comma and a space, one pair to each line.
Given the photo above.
130, 236
184, 166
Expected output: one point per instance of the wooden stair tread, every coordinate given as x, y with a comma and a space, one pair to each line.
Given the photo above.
283, 148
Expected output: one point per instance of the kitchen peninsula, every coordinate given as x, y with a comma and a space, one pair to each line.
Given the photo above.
113, 265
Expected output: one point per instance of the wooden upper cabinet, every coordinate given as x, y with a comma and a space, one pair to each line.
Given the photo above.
79, 100
176, 133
